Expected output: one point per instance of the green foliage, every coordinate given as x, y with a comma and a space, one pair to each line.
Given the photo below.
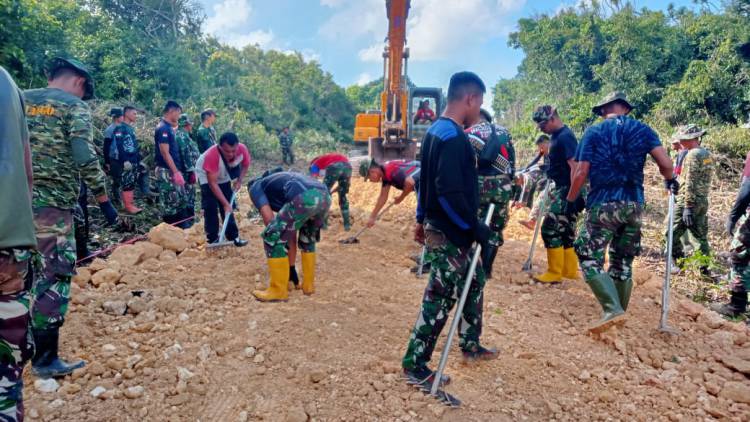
366, 97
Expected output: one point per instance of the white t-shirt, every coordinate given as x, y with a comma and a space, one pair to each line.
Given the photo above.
211, 161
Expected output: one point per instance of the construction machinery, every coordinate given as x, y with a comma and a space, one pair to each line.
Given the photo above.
393, 131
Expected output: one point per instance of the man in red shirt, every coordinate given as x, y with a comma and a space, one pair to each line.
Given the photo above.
402, 174
337, 170
216, 168
424, 114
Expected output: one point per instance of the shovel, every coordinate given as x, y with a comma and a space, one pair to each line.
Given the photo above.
223, 242
527, 266
663, 323
355, 238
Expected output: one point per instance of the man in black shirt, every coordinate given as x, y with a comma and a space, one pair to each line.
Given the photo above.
558, 229
447, 224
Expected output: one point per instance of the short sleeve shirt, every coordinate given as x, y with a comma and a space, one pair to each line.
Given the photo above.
397, 171
164, 134
617, 148
278, 189
562, 148
211, 162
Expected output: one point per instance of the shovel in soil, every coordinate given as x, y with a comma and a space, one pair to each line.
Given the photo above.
663, 323
355, 238
223, 242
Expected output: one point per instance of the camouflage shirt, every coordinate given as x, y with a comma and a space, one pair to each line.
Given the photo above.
206, 138
696, 175
188, 152
62, 148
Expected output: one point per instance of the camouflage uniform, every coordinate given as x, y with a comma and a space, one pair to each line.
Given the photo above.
286, 140
739, 277
308, 213
188, 156
171, 197
124, 139
205, 138
340, 173
696, 175
62, 146
449, 265
81, 223
558, 230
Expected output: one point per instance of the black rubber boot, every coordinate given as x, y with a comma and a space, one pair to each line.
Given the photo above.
46, 363
480, 353
488, 258
737, 305
424, 377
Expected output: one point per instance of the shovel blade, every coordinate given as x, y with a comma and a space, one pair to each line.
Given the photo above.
349, 241
526, 266
219, 245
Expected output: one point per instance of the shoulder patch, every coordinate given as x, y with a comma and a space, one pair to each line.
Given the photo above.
443, 130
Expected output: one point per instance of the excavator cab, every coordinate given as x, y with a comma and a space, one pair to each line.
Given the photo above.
433, 101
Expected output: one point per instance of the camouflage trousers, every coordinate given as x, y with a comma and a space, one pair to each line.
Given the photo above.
81, 222
16, 341
449, 265
287, 155
51, 290
172, 198
699, 230
536, 207
129, 178
613, 225
495, 190
558, 230
340, 173
739, 277
308, 213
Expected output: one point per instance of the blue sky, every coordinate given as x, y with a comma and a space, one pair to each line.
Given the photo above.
346, 36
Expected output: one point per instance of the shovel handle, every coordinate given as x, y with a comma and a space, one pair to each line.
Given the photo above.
362, 230
222, 235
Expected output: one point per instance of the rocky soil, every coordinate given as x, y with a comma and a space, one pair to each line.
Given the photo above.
171, 333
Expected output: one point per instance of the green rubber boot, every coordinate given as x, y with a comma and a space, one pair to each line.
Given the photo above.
606, 293
623, 291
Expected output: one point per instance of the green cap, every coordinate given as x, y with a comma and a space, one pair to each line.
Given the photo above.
688, 132
115, 112
611, 98
184, 120
78, 67
543, 113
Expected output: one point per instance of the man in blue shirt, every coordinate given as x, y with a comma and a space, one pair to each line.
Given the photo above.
447, 223
611, 156
558, 229
169, 179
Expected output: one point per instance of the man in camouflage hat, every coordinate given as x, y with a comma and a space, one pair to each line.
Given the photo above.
128, 157
188, 156
61, 134
206, 136
286, 140
170, 179
17, 248
611, 157
558, 228
691, 211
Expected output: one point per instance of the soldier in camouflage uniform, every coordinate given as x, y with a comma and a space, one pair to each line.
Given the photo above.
17, 249
188, 156
128, 157
496, 161
286, 140
448, 226
611, 156
170, 179
691, 210
301, 204
61, 134
738, 226
206, 135
338, 171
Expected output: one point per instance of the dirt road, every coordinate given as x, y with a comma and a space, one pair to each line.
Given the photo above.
195, 345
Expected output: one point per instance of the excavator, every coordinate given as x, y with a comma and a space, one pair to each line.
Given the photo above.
394, 131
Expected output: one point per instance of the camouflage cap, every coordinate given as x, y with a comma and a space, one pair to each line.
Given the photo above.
78, 67
543, 113
365, 166
611, 98
688, 132
115, 112
184, 120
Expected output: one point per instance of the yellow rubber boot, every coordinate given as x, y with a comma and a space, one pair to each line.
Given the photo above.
277, 287
555, 262
308, 273
570, 267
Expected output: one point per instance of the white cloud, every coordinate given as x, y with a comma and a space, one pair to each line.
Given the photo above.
262, 39
364, 78
228, 15
373, 53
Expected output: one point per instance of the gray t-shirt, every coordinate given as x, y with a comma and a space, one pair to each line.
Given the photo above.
16, 217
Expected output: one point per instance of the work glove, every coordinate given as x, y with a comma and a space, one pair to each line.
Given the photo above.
672, 185
127, 166
687, 217
482, 234
178, 179
110, 213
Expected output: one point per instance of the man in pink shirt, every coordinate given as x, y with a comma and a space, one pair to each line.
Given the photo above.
216, 168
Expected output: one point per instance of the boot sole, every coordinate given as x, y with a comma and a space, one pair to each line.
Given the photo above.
599, 328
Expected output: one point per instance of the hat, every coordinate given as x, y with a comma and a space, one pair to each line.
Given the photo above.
184, 120
611, 98
543, 113
115, 112
78, 67
366, 165
688, 132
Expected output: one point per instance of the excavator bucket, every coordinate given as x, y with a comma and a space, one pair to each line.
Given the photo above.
402, 149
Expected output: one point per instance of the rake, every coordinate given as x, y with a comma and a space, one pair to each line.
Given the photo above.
355, 238
663, 323
528, 265
223, 242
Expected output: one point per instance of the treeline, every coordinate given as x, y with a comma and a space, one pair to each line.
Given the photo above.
144, 52
678, 66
